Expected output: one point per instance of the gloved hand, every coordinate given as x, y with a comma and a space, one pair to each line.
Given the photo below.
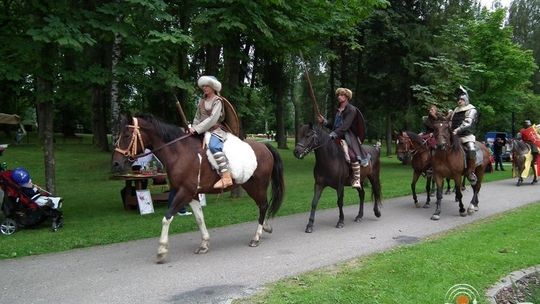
333, 135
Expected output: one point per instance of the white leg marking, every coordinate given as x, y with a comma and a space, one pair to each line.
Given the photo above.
199, 217
163, 248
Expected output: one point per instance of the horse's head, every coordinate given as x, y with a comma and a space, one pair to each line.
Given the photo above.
443, 134
308, 140
404, 146
131, 141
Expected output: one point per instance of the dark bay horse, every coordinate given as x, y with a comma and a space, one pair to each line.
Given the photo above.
410, 145
189, 171
520, 150
332, 170
448, 160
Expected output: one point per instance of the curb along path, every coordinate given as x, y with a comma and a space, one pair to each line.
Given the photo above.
127, 273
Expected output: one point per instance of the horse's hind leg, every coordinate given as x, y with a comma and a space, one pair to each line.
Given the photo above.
314, 202
262, 226
340, 191
199, 217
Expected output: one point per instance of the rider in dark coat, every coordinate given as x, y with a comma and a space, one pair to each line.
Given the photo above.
346, 126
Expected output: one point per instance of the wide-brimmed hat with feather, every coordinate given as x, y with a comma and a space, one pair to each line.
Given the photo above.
210, 81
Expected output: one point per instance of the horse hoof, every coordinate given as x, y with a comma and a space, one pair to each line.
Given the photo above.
267, 228
254, 243
534, 182
435, 217
426, 206
201, 250
416, 204
463, 214
358, 219
377, 213
160, 258
340, 225
309, 229
476, 208
470, 211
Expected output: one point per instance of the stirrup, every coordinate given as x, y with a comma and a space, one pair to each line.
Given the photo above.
364, 162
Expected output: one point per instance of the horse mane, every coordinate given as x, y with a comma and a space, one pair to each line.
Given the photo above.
415, 137
334, 150
520, 146
165, 131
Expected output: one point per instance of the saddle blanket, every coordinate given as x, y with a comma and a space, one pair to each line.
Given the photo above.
242, 159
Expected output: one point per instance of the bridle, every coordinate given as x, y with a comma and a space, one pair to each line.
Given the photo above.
136, 139
408, 146
447, 137
312, 143
136, 142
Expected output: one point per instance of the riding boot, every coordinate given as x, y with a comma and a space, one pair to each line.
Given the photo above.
356, 175
471, 166
223, 164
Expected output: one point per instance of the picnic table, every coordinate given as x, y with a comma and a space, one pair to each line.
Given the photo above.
138, 181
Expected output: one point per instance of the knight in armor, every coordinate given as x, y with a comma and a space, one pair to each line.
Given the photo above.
208, 118
346, 127
529, 134
464, 118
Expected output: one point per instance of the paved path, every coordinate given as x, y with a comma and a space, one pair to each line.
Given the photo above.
126, 272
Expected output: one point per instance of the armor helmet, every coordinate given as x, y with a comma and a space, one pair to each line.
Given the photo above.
462, 94
527, 123
20, 176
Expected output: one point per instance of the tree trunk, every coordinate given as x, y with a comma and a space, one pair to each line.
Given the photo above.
45, 106
277, 86
388, 132
115, 105
211, 66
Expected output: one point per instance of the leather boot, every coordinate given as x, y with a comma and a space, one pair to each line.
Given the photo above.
356, 175
471, 166
225, 181
223, 164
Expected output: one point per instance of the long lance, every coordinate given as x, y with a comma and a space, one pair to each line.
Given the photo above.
184, 121
311, 92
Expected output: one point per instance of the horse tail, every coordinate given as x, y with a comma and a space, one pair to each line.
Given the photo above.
278, 184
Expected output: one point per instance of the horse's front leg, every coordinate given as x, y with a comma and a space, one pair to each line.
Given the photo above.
413, 188
473, 205
429, 179
316, 196
199, 217
459, 194
535, 180
361, 196
163, 248
439, 181
340, 191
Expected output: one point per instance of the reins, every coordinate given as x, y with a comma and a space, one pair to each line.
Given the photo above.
131, 151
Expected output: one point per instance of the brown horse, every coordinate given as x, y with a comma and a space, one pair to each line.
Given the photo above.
413, 147
520, 149
190, 173
448, 160
331, 169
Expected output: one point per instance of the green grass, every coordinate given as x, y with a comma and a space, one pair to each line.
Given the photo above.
94, 214
478, 254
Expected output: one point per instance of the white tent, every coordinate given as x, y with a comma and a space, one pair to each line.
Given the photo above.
10, 119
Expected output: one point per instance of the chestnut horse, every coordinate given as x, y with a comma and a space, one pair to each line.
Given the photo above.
448, 160
190, 173
410, 145
331, 169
